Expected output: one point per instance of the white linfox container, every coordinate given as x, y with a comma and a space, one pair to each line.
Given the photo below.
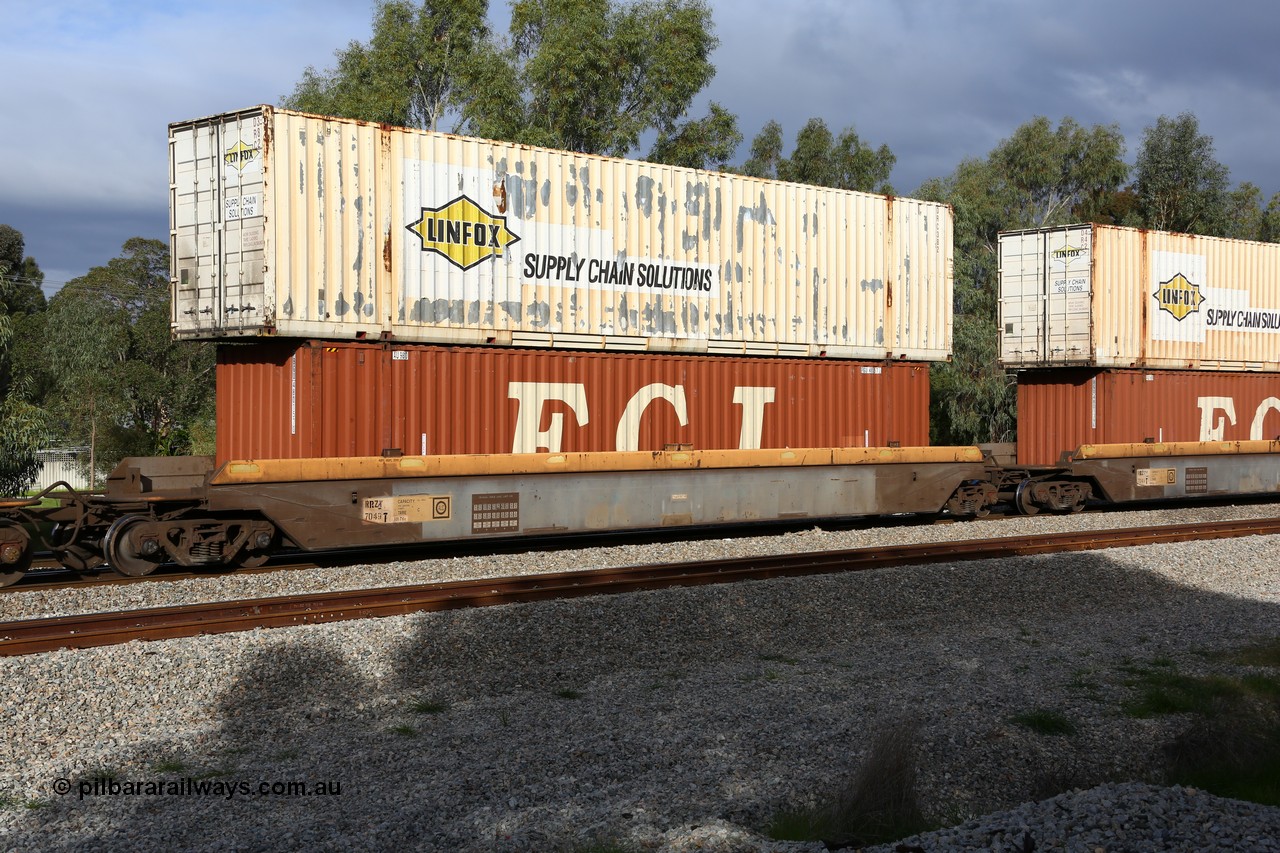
1104, 296
304, 226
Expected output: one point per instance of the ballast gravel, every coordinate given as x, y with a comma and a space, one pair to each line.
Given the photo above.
678, 720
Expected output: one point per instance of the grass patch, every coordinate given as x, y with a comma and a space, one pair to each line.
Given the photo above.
424, 706
1263, 654
404, 730
8, 801
168, 766
568, 693
1087, 683
779, 659
879, 804
1233, 751
1045, 722
1168, 692
1231, 746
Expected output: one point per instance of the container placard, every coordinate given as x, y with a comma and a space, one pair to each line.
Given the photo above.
495, 513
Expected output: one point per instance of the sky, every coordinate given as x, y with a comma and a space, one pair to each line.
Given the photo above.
91, 87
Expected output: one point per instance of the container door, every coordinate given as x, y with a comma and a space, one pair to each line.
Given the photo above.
217, 227
1045, 290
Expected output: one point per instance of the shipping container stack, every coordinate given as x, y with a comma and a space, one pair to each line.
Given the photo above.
1123, 335
379, 290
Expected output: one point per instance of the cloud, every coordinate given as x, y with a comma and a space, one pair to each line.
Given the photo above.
93, 86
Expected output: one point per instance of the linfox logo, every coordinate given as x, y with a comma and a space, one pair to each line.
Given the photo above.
463, 232
239, 155
1066, 254
1179, 296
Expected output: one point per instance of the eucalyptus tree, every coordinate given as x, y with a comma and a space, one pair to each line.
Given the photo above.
593, 76
596, 75
409, 72
23, 425
1181, 186
706, 143
821, 158
123, 386
1040, 175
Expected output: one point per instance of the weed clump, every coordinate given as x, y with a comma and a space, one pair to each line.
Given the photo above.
878, 804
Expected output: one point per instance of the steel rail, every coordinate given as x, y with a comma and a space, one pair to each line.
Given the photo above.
89, 630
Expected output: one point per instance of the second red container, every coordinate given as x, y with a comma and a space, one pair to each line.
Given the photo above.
292, 399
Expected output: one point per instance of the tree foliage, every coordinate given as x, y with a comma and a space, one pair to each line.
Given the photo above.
821, 158
582, 75
1052, 176
23, 426
121, 385
410, 72
1180, 184
706, 143
1039, 176
595, 75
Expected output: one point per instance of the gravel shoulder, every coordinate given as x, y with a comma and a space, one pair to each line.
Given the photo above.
673, 720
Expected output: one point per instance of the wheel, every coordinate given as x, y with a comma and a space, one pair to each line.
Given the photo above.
1022, 499
251, 561
15, 554
128, 552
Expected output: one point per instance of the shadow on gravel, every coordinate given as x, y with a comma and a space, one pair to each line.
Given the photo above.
687, 714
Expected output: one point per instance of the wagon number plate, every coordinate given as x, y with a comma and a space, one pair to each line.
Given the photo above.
1157, 477
406, 509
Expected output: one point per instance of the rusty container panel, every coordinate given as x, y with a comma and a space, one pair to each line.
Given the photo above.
293, 225
1105, 296
288, 400
1060, 410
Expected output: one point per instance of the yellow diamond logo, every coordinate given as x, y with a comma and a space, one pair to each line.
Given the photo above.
1067, 254
1179, 297
239, 155
463, 232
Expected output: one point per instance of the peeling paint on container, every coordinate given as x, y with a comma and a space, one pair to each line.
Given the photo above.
289, 399
1104, 296
308, 227
1060, 410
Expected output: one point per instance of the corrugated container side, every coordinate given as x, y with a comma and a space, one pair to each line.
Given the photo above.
360, 231
1059, 410
294, 400
1155, 300
923, 321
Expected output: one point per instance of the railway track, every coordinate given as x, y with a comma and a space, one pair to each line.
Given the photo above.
90, 630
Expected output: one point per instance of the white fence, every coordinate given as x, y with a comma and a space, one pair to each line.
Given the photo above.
68, 464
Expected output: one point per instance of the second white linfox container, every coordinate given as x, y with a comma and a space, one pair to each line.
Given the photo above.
303, 226
1103, 296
